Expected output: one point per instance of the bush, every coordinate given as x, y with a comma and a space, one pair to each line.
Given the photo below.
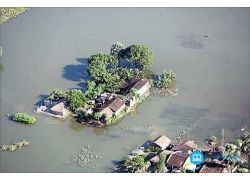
24, 118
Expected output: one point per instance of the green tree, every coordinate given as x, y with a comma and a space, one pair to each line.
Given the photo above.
115, 49
24, 118
140, 54
167, 79
76, 98
57, 94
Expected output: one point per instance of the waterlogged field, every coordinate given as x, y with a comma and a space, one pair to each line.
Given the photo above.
46, 48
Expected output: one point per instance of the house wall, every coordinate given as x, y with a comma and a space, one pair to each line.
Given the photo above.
143, 91
57, 113
119, 110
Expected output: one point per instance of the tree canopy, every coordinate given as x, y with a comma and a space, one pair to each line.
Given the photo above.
76, 99
140, 54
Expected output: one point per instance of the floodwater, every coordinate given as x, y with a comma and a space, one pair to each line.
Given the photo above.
46, 48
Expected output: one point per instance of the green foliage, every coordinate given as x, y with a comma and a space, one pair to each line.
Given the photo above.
242, 170
76, 99
232, 153
166, 80
115, 49
97, 116
57, 94
152, 149
9, 13
133, 164
24, 118
140, 54
161, 165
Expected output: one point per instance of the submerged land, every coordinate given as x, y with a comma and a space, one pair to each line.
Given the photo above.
47, 66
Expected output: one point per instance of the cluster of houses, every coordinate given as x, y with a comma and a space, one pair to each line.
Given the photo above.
107, 104
178, 157
111, 104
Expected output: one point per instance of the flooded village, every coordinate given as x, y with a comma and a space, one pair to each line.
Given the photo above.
82, 98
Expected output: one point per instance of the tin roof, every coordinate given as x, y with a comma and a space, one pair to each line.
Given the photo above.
185, 146
177, 159
162, 141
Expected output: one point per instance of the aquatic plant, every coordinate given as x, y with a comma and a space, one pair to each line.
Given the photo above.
9, 13
15, 147
24, 118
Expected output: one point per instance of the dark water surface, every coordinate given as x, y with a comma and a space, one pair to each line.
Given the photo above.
46, 48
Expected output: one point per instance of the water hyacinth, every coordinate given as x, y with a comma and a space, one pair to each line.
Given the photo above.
85, 157
15, 147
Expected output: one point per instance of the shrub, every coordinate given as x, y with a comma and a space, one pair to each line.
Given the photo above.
24, 118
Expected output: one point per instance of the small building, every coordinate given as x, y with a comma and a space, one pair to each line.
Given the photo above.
215, 169
141, 86
176, 160
185, 146
59, 109
162, 142
113, 107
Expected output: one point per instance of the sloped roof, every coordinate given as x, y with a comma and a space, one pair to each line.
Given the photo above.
207, 169
107, 111
140, 84
60, 107
177, 159
162, 141
185, 146
115, 104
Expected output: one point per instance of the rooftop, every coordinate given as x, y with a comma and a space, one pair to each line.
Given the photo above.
162, 141
177, 159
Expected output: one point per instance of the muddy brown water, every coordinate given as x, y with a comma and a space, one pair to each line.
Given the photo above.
46, 48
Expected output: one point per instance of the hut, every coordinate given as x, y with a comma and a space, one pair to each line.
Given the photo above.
59, 109
162, 142
113, 107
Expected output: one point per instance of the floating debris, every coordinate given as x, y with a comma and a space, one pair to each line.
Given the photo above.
15, 147
84, 158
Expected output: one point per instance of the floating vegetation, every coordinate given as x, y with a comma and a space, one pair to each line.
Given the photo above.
85, 157
15, 147
161, 92
9, 13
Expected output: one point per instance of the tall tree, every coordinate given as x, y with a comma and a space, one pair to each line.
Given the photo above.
76, 98
140, 54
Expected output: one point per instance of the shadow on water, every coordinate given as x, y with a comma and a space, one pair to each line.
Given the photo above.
77, 72
41, 98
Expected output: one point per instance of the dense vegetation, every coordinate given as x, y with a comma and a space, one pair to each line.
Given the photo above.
133, 164
166, 80
24, 118
233, 151
108, 70
9, 13
76, 99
